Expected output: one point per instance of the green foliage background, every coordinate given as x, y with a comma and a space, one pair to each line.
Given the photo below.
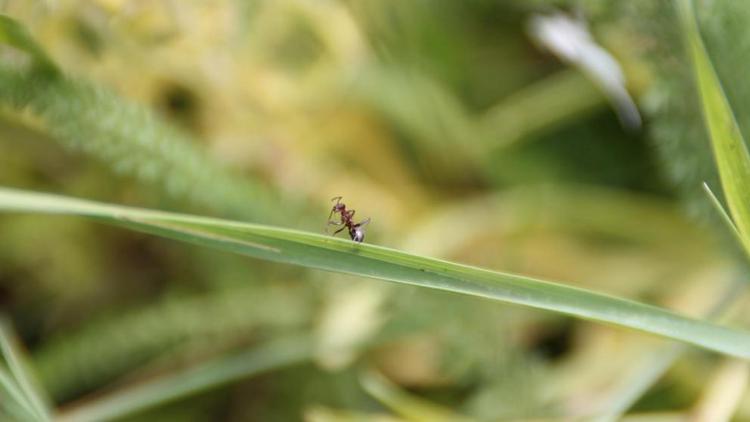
440, 120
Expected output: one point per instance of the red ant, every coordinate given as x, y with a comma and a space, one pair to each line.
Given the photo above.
356, 231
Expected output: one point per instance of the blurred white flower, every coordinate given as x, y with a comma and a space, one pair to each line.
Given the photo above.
570, 40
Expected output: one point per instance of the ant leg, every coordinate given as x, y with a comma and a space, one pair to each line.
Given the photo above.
333, 223
337, 199
338, 231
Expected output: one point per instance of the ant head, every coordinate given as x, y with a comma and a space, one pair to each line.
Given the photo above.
338, 206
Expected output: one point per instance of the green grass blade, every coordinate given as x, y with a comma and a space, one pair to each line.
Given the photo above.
722, 212
726, 219
16, 35
730, 152
340, 255
118, 404
20, 372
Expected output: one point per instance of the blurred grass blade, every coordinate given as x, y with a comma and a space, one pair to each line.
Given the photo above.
724, 392
17, 403
340, 255
131, 139
403, 404
317, 413
16, 35
641, 379
66, 366
539, 108
730, 152
277, 354
20, 371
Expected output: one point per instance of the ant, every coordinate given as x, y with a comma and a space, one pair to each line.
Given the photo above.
356, 231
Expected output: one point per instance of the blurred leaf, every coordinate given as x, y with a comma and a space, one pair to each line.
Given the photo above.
646, 373
191, 381
543, 105
134, 142
129, 138
323, 414
442, 137
409, 407
723, 392
13, 399
23, 380
339, 255
15, 34
108, 347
